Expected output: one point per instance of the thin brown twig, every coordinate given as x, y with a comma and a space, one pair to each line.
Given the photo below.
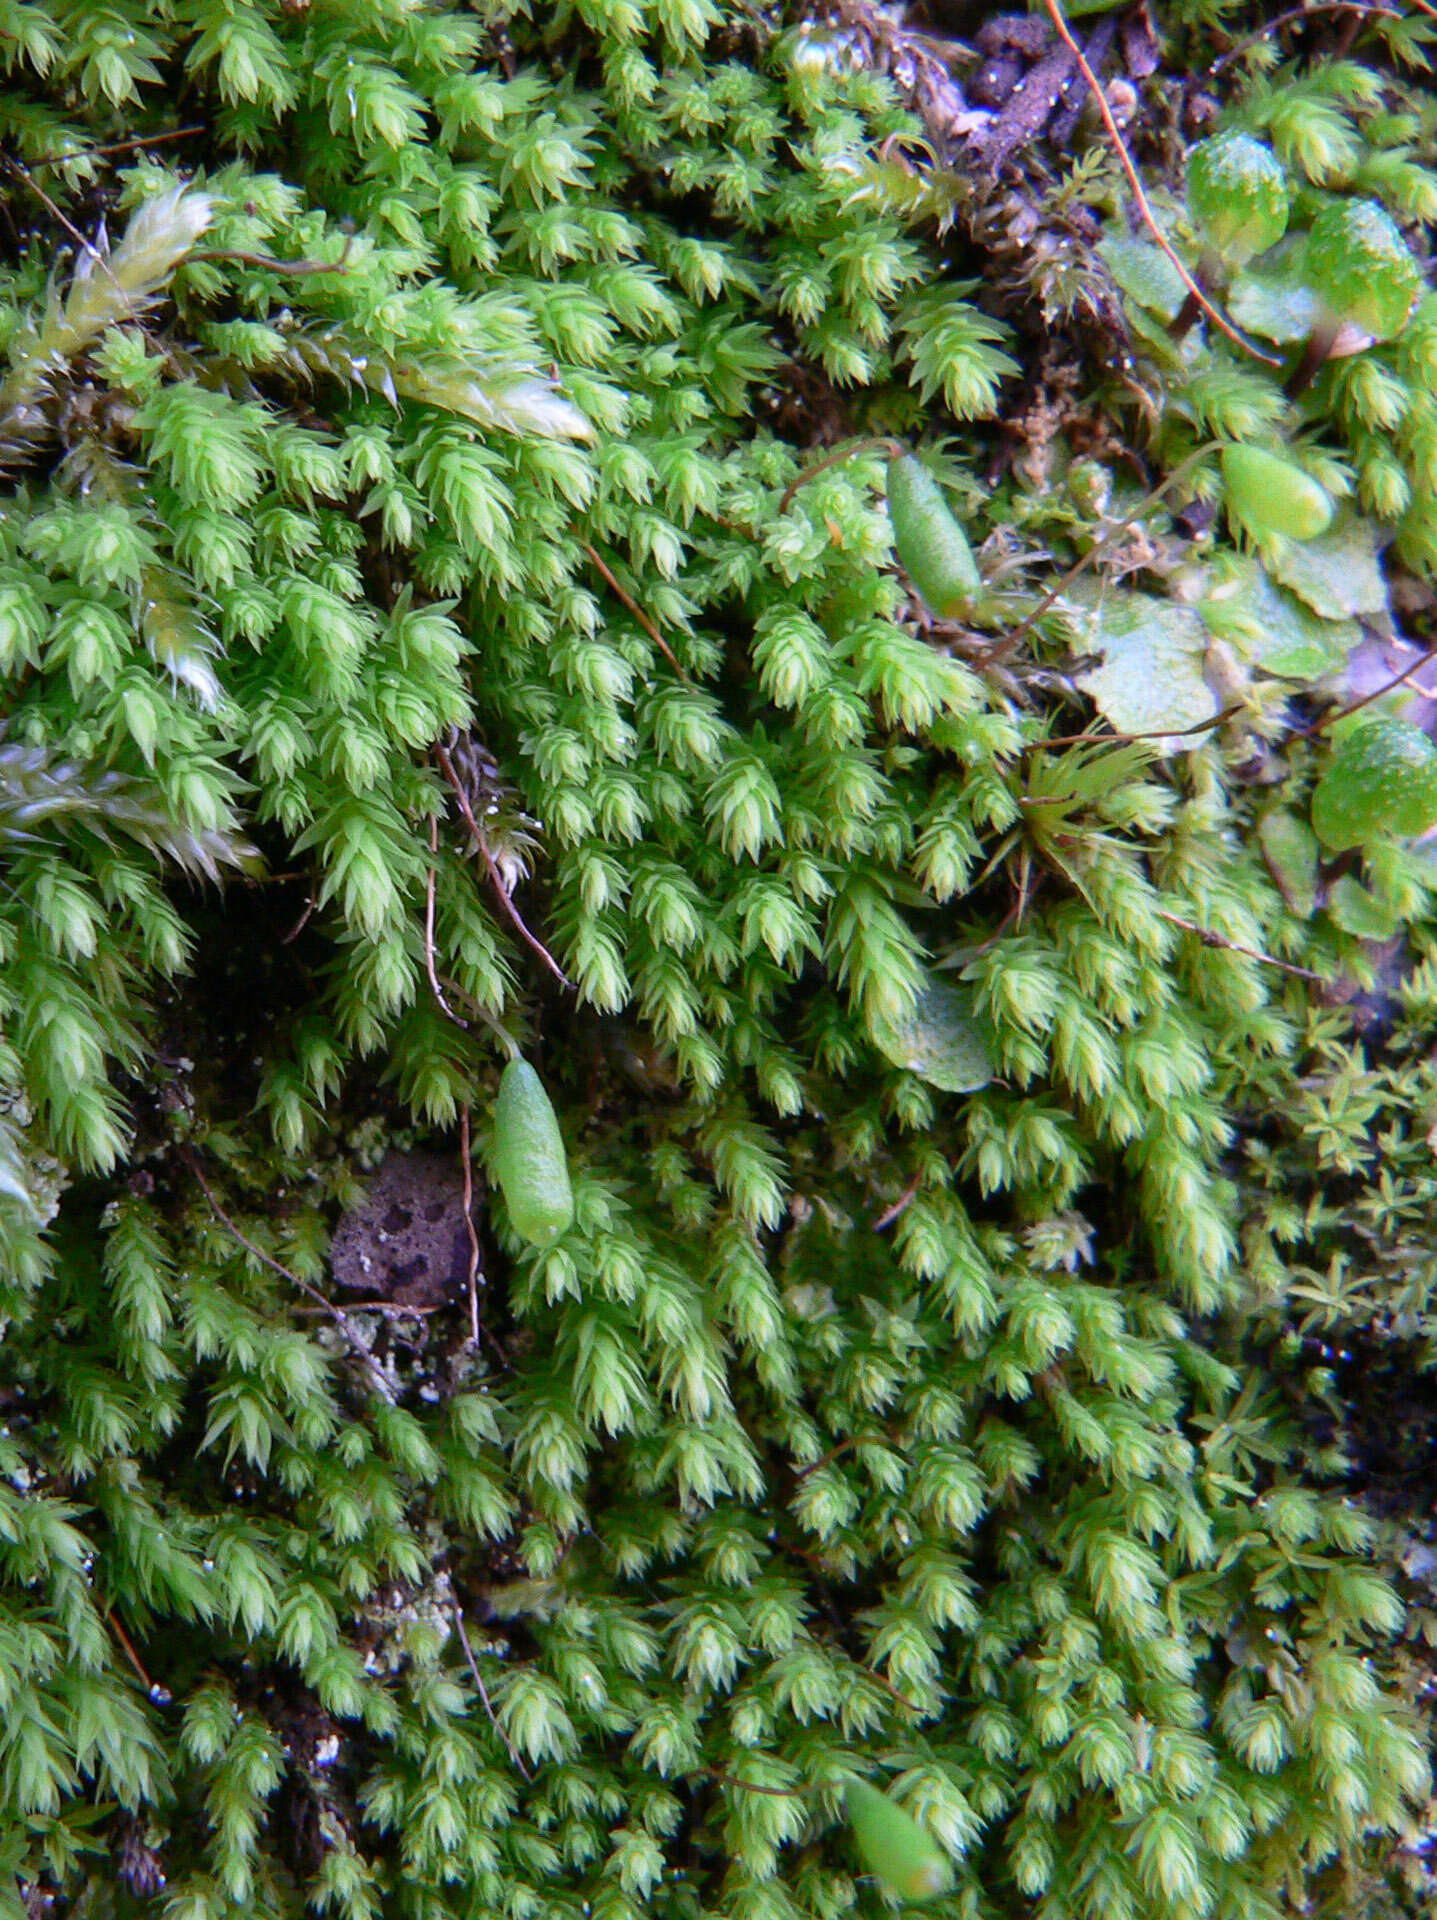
1211, 939
513, 1751
900, 1205
434, 986
391, 1309
161, 1695
116, 146
817, 1466
637, 611
752, 1786
1331, 720
1122, 739
1149, 219
85, 246
1000, 650
469, 1224
295, 268
303, 921
534, 944
830, 460
337, 1314
910, 1706
1294, 14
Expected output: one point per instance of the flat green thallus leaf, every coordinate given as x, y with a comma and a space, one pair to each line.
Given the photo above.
938, 1041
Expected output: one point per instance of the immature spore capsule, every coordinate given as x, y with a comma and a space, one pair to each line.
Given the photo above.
1271, 495
1362, 268
903, 1854
933, 547
527, 1158
1238, 193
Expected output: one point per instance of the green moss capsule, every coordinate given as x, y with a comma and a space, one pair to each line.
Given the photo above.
527, 1159
1237, 190
1271, 495
903, 1854
933, 547
1380, 782
1362, 268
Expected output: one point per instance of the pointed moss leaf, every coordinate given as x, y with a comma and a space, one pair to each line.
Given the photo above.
938, 1041
1272, 629
933, 547
903, 1854
1362, 267
1237, 190
1151, 676
1381, 780
1269, 494
1358, 911
1274, 302
1289, 846
1145, 274
1337, 574
527, 1157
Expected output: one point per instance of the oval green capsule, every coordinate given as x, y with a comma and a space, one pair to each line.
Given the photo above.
1271, 495
1362, 268
1238, 192
933, 547
527, 1158
903, 1854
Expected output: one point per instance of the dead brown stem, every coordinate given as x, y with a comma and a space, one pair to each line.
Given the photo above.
1125, 161
1391, 686
85, 246
636, 610
1211, 939
1294, 14
496, 878
296, 269
336, 1314
817, 1466
900, 1205
1122, 739
512, 1750
830, 460
434, 986
117, 146
468, 1166
159, 1694
752, 1786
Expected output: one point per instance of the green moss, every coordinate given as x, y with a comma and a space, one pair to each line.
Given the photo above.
401, 528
